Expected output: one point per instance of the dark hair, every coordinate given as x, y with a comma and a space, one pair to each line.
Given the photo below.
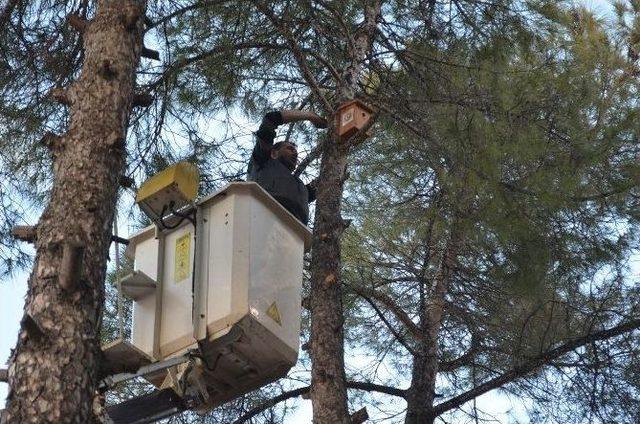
277, 146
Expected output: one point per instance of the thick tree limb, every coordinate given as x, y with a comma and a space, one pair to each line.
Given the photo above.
362, 44
369, 387
132, 14
534, 363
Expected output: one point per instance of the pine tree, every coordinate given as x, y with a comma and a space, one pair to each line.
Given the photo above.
53, 374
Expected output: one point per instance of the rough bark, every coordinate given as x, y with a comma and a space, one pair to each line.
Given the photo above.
328, 380
53, 372
328, 389
421, 393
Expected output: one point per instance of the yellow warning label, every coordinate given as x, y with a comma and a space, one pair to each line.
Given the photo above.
274, 313
183, 253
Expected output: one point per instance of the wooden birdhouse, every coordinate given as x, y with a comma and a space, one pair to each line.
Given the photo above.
352, 116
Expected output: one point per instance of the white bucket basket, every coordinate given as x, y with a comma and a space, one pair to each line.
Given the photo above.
238, 307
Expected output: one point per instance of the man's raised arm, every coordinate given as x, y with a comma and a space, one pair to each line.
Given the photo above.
303, 115
267, 130
265, 135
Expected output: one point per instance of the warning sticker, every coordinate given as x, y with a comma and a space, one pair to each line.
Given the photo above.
182, 269
274, 313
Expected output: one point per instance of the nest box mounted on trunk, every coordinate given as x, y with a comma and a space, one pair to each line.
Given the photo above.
352, 117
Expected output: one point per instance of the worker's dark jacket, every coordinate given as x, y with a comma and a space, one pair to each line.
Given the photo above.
274, 176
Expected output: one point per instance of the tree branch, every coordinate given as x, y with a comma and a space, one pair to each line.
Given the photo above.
313, 155
197, 5
175, 67
391, 306
298, 55
369, 387
533, 363
461, 360
150, 53
386, 322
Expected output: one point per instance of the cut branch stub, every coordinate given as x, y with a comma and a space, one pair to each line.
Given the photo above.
50, 140
132, 14
4, 374
150, 53
78, 23
26, 233
329, 280
126, 181
360, 416
306, 303
116, 140
70, 265
31, 326
107, 70
142, 100
60, 95
119, 240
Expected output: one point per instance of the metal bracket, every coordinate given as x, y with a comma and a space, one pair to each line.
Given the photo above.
112, 380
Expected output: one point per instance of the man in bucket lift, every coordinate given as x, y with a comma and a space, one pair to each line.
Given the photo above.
272, 165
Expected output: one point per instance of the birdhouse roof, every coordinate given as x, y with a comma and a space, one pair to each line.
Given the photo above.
358, 103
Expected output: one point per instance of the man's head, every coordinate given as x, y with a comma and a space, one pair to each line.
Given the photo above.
287, 153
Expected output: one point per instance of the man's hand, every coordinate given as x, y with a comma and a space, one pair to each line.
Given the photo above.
318, 122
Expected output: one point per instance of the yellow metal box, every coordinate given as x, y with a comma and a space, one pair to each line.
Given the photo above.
170, 189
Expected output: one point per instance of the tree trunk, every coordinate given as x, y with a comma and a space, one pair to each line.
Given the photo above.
328, 379
328, 389
53, 373
421, 393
